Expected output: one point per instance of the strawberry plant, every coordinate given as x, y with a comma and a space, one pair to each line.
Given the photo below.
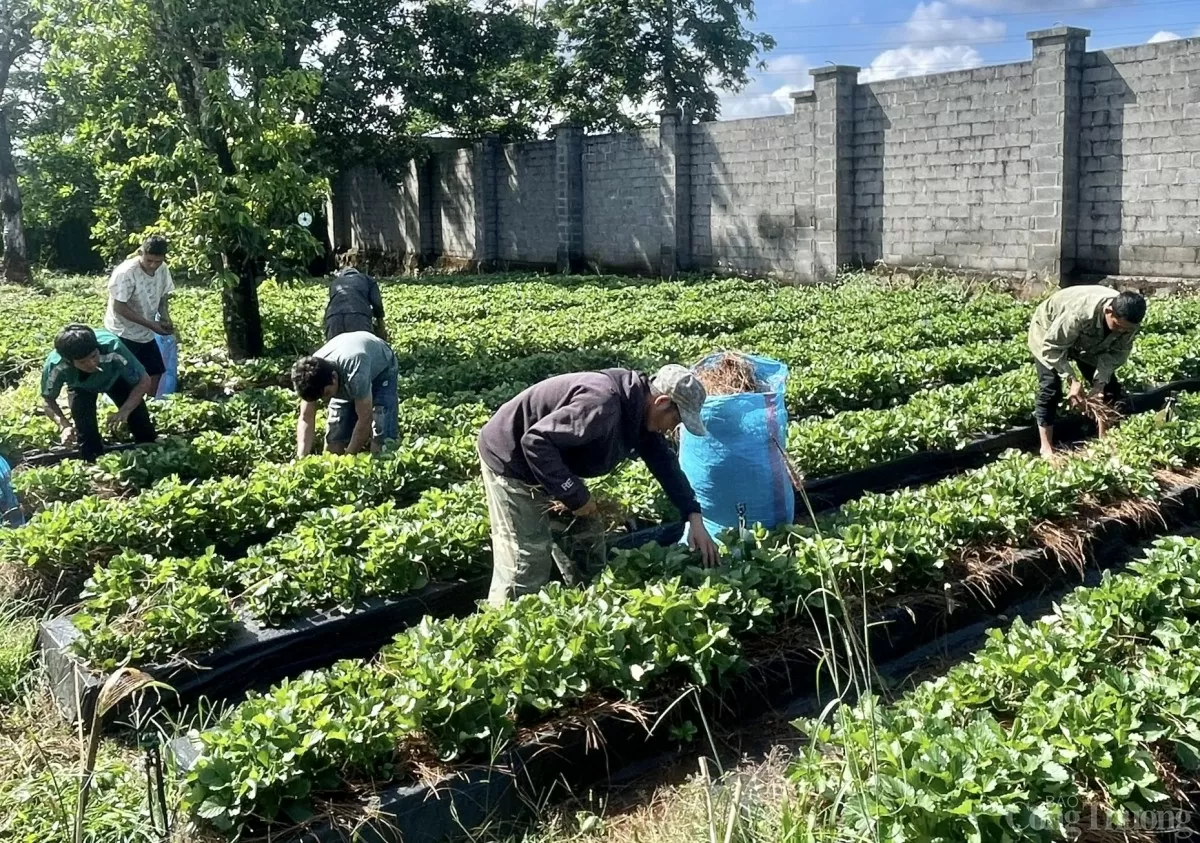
454, 680
1087, 713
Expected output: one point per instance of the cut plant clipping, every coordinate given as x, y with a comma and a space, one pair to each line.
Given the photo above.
212, 639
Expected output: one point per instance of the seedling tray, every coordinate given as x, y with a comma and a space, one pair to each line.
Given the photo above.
585, 749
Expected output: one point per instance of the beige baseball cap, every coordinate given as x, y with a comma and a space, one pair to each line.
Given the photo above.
682, 387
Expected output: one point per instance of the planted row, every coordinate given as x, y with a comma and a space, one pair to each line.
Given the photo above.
24, 427
1084, 721
463, 684
176, 518
212, 454
137, 609
953, 416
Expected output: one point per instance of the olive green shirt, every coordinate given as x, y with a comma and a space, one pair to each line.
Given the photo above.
1070, 326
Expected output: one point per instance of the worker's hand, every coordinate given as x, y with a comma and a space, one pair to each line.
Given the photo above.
67, 435
588, 509
117, 419
168, 327
700, 541
1075, 395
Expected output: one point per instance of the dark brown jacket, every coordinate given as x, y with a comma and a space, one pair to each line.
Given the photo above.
580, 425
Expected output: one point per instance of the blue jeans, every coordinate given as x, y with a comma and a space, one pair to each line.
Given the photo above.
385, 421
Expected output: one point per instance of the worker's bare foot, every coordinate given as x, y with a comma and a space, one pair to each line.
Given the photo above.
1047, 452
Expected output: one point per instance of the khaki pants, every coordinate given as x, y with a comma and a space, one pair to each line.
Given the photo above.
527, 539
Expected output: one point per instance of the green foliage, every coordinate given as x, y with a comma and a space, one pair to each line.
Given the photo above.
465, 684
188, 114
672, 53
1052, 721
173, 517
178, 605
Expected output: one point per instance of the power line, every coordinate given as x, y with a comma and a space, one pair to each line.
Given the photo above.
1041, 13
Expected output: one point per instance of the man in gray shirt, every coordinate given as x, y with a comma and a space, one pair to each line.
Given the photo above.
356, 373
355, 304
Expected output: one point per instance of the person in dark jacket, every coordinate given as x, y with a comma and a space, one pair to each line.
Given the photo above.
355, 303
538, 448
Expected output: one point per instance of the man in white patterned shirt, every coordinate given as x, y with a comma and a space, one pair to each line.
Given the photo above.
137, 305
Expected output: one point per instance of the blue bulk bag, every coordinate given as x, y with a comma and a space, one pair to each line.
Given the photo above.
10, 507
169, 347
739, 465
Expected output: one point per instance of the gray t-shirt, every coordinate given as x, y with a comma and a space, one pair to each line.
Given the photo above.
360, 357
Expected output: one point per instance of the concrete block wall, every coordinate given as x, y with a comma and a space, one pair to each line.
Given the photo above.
1139, 183
372, 216
751, 194
454, 236
1073, 163
942, 172
623, 200
526, 199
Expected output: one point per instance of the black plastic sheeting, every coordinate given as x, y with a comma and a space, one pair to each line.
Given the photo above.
589, 749
43, 458
256, 657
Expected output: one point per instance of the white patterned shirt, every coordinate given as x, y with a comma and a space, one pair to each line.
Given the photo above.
130, 284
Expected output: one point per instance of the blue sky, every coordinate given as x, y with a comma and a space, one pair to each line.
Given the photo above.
888, 39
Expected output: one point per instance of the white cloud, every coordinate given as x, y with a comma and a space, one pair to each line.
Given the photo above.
1163, 35
934, 23
770, 93
1034, 5
916, 61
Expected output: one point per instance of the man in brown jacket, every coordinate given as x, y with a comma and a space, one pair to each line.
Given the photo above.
1091, 326
539, 446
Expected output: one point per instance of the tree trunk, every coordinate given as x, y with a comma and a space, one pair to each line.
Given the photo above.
15, 264
239, 307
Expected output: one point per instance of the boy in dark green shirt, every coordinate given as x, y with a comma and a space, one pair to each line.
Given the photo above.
87, 363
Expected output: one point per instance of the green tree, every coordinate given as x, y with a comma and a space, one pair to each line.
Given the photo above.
17, 19
191, 115
393, 72
674, 54
218, 123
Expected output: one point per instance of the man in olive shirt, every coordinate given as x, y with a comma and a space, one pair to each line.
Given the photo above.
87, 363
1093, 327
356, 373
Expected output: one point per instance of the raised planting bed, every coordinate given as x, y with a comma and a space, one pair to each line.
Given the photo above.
600, 740
453, 689
1077, 725
254, 656
929, 466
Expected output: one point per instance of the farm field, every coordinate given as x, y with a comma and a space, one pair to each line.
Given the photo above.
165, 555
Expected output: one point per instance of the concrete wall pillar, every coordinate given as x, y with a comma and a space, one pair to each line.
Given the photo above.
568, 169
484, 166
1054, 146
833, 168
